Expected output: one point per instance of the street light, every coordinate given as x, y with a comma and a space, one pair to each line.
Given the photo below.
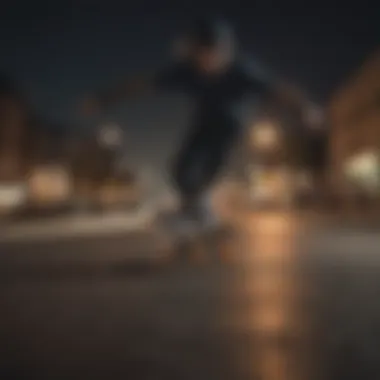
265, 135
110, 136
364, 169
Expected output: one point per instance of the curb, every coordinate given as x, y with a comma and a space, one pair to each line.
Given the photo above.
75, 226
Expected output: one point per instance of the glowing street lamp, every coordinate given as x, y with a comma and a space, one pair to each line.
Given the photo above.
110, 136
265, 135
364, 168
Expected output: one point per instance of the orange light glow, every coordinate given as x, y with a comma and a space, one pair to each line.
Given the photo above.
265, 135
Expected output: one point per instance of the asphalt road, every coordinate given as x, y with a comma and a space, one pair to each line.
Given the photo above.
277, 302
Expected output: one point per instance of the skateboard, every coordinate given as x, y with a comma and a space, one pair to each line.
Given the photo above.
201, 245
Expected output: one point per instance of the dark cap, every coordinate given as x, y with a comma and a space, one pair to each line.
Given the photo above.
210, 33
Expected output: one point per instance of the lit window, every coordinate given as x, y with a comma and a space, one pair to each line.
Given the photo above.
12, 195
363, 169
49, 184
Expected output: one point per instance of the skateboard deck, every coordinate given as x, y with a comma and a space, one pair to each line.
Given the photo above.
203, 244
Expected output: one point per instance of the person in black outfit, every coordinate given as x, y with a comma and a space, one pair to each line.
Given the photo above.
217, 80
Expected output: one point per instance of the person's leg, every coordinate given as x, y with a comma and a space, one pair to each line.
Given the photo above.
198, 166
185, 171
211, 166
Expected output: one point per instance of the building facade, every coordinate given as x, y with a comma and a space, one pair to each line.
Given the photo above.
354, 114
287, 156
14, 133
100, 178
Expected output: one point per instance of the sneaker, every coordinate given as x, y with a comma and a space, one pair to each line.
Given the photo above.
178, 223
205, 215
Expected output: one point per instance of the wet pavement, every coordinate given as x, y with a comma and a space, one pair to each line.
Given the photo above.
282, 300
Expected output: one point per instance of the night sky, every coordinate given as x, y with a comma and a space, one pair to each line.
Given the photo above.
58, 50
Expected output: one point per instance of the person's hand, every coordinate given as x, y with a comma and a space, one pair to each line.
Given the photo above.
90, 106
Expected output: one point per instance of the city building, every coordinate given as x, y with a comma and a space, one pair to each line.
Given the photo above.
101, 179
282, 159
44, 166
14, 132
16, 142
33, 155
354, 114
49, 178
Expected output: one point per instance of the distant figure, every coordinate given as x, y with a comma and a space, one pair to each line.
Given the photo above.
212, 74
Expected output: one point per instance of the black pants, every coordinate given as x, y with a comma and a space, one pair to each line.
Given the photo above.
200, 160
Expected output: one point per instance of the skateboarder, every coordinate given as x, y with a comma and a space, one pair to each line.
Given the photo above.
211, 73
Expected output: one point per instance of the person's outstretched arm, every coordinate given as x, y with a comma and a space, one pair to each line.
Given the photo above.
101, 100
172, 77
283, 94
